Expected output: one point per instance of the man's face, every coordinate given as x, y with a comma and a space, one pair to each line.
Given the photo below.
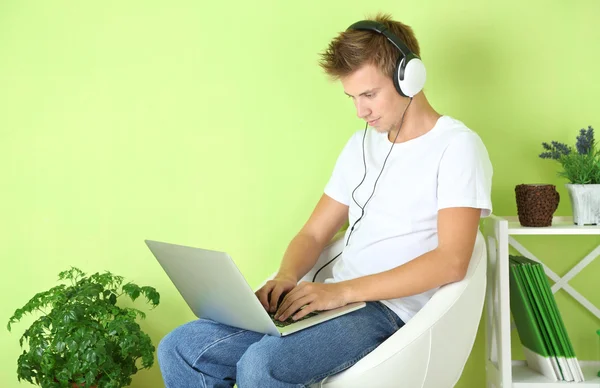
375, 98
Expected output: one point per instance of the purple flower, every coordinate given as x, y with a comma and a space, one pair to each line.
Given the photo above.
585, 141
555, 150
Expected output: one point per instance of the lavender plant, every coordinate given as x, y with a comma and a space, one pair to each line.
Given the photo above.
580, 165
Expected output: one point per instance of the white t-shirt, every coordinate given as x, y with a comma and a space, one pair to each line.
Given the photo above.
446, 167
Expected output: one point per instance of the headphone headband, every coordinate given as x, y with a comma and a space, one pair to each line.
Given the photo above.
409, 74
370, 25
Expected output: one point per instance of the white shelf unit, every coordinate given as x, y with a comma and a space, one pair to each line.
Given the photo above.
501, 370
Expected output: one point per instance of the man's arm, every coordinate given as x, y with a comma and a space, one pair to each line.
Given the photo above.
457, 231
303, 251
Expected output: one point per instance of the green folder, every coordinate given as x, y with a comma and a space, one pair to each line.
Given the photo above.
534, 319
547, 317
566, 347
533, 335
532, 269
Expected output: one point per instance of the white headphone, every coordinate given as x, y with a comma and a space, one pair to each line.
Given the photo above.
409, 75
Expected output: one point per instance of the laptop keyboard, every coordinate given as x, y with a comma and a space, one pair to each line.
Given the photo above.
289, 321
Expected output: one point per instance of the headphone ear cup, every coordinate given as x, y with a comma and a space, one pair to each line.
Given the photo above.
398, 70
414, 76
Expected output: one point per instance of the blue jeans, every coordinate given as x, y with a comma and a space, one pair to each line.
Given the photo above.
203, 353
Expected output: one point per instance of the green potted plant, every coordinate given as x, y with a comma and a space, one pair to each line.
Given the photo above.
82, 338
581, 167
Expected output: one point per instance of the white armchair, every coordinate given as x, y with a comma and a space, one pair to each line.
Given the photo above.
431, 350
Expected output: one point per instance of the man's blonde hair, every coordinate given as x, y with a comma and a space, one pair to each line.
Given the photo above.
352, 49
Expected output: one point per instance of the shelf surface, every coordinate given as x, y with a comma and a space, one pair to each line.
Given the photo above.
560, 225
523, 377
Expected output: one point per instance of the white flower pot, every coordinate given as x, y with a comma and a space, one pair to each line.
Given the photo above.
585, 201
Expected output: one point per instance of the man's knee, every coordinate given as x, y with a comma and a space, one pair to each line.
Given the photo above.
177, 342
257, 366
167, 346
267, 362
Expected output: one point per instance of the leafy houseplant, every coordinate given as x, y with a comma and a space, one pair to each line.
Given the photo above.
581, 167
82, 338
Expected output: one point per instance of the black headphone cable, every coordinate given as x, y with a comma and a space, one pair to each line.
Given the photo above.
362, 208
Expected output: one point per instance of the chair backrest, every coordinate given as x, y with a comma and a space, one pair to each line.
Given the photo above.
454, 313
430, 351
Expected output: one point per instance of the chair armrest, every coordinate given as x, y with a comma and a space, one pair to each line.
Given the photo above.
441, 333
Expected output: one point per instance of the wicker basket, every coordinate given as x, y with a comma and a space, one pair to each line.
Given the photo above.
536, 204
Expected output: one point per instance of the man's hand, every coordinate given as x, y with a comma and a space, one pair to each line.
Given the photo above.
270, 293
315, 297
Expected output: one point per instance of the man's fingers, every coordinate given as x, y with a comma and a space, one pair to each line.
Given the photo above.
295, 306
274, 298
264, 300
263, 295
309, 308
295, 293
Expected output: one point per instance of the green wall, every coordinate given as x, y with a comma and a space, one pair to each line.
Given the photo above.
210, 124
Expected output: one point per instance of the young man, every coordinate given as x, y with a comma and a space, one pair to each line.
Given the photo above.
413, 188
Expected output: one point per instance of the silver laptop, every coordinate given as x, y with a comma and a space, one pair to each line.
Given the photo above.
214, 288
